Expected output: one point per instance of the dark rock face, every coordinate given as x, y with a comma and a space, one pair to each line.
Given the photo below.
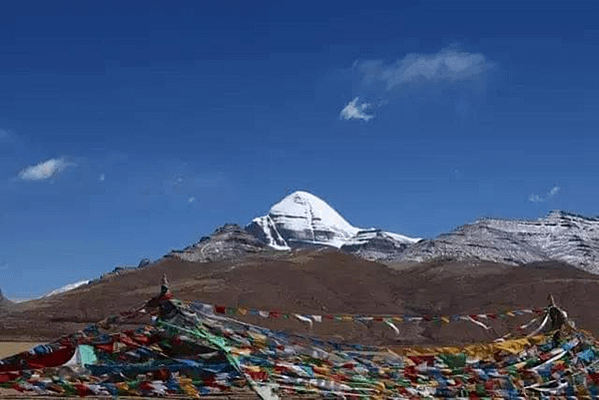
4, 302
144, 262
228, 241
265, 230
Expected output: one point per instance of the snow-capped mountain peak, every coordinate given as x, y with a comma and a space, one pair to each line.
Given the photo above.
303, 217
305, 207
304, 220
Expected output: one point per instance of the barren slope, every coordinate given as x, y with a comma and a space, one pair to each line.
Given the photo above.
326, 282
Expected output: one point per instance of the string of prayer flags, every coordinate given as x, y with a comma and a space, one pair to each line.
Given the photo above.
346, 317
169, 359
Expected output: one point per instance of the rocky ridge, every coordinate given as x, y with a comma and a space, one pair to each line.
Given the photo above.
377, 245
560, 236
302, 220
299, 221
228, 241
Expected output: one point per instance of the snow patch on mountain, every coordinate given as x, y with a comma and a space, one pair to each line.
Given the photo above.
268, 233
366, 235
67, 288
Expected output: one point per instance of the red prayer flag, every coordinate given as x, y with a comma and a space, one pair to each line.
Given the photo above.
220, 309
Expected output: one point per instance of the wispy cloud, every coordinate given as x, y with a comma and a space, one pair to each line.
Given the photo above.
382, 78
44, 170
447, 65
535, 198
102, 177
191, 200
353, 110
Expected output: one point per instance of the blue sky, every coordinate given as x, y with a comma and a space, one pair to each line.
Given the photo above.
131, 128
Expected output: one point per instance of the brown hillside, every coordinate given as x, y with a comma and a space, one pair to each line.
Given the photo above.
322, 282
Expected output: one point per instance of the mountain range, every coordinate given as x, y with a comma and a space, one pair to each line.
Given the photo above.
302, 220
304, 257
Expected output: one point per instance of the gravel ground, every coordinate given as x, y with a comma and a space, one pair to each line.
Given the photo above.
10, 348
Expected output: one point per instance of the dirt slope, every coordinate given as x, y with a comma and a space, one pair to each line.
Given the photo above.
326, 282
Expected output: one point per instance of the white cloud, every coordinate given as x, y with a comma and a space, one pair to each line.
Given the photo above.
353, 110
535, 198
44, 170
447, 65
102, 177
191, 200
378, 77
